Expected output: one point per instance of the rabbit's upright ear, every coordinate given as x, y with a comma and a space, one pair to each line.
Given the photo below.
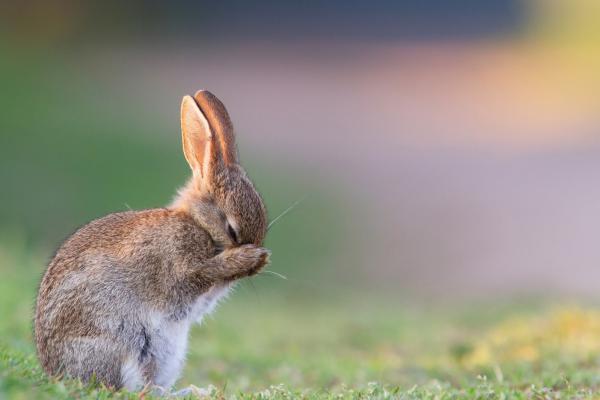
197, 137
220, 123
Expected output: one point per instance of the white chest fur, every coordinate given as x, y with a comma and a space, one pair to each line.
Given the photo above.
208, 301
168, 342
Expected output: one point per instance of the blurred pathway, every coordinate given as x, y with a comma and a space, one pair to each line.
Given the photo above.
477, 166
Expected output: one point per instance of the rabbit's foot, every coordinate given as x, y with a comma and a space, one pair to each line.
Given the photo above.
194, 391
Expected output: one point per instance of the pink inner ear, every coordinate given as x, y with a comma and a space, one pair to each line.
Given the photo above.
198, 146
196, 135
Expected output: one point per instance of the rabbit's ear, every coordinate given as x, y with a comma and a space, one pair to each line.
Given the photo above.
219, 121
197, 137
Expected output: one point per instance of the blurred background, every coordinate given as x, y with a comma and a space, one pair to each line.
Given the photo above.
456, 143
449, 151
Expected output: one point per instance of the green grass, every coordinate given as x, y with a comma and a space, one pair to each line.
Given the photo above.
270, 345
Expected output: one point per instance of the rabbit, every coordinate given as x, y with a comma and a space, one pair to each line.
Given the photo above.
116, 302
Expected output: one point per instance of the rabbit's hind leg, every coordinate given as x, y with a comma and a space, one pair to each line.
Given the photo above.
96, 359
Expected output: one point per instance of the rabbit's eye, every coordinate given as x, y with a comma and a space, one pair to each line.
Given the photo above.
232, 233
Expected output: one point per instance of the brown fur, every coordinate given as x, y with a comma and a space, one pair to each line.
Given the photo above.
103, 279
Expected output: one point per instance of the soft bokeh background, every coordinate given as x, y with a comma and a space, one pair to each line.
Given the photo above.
449, 153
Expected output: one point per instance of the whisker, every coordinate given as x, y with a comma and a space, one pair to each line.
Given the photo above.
287, 210
274, 273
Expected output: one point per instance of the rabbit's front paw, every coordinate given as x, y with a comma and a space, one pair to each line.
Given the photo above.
246, 260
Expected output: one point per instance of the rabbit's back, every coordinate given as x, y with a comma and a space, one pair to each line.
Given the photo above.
109, 284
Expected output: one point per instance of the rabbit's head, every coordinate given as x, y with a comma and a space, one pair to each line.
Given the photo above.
220, 196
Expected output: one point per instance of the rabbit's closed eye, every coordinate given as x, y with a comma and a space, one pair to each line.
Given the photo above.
232, 233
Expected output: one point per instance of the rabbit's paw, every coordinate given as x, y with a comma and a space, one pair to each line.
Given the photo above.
246, 260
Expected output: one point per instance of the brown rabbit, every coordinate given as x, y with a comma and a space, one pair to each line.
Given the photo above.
117, 301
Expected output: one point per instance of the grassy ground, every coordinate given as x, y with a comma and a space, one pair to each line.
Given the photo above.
311, 343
